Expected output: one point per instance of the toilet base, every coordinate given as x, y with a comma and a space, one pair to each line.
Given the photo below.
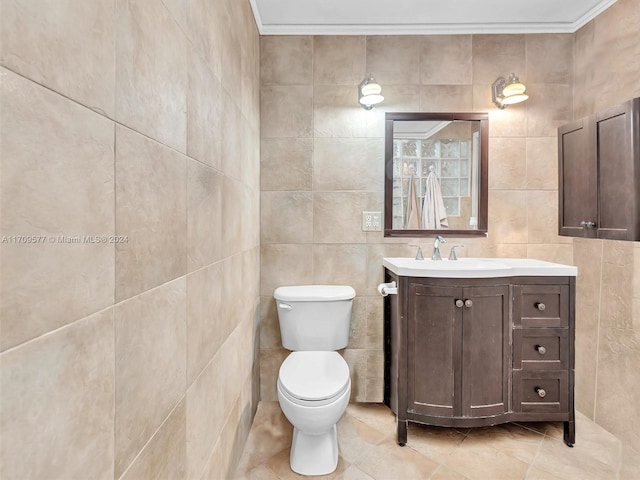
314, 454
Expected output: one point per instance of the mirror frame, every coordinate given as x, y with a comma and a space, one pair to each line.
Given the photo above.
483, 173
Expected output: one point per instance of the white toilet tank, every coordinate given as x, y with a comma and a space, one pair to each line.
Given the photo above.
314, 317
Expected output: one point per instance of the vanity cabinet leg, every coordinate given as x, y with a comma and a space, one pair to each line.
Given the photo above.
570, 433
402, 432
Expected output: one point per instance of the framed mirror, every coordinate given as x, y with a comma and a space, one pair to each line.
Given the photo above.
436, 174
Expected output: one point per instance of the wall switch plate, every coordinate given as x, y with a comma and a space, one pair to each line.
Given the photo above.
371, 221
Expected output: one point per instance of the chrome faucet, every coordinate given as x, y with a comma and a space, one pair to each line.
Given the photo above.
436, 248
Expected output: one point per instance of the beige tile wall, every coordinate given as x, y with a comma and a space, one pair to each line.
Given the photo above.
135, 118
607, 68
322, 161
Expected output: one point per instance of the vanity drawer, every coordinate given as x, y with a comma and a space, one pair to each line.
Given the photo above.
540, 391
541, 348
541, 306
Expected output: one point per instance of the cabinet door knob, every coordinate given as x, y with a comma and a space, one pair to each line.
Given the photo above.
540, 391
468, 303
586, 224
540, 306
459, 303
541, 350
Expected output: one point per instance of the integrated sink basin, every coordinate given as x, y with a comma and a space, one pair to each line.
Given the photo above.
476, 267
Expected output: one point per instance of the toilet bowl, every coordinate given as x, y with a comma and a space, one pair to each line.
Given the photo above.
313, 382
313, 391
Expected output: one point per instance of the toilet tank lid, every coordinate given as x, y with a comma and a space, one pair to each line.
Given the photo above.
316, 293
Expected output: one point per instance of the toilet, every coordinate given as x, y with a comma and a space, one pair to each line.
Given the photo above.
314, 384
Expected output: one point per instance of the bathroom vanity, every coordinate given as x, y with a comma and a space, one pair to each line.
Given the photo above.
478, 342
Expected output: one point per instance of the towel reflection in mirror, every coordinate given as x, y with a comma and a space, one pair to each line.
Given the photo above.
413, 218
429, 212
434, 214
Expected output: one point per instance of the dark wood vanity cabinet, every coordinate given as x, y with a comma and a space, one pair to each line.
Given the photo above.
478, 352
599, 174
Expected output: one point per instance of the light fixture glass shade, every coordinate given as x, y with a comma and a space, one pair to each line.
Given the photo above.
513, 89
371, 99
371, 89
511, 99
369, 93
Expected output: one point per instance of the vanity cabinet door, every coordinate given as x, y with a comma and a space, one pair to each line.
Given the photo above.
486, 351
434, 336
459, 354
618, 167
577, 196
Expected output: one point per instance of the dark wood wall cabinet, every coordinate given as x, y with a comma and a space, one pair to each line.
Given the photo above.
478, 352
599, 174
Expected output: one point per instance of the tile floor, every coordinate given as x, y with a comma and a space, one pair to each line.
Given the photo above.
366, 436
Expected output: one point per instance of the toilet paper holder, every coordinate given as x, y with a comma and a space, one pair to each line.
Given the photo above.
389, 288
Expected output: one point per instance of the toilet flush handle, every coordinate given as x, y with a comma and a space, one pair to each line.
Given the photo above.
285, 306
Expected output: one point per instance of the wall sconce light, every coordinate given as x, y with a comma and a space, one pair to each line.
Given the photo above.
369, 93
508, 91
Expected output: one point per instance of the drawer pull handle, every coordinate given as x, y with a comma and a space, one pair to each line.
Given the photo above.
540, 391
540, 306
468, 303
541, 350
459, 303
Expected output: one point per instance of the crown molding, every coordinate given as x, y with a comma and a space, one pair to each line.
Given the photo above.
591, 14
417, 29
428, 29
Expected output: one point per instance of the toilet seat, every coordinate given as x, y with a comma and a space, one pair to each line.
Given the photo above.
313, 378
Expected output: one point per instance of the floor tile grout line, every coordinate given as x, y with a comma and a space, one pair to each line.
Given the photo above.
533, 461
529, 428
443, 464
595, 382
620, 459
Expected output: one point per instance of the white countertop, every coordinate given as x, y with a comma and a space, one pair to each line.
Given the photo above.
478, 268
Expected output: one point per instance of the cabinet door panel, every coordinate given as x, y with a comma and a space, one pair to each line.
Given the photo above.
486, 351
578, 183
434, 347
615, 173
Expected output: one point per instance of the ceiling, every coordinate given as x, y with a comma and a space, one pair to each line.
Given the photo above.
395, 17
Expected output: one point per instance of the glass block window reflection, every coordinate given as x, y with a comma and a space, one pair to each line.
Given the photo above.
450, 160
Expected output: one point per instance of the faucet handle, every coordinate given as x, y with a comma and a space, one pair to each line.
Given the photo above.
452, 253
419, 255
